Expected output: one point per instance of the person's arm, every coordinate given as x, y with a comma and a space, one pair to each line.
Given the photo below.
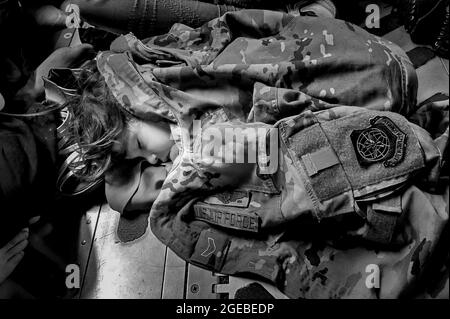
33, 90
144, 18
27, 170
28, 149
12, 253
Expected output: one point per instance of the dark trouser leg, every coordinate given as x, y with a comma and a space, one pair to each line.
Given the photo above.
146, 17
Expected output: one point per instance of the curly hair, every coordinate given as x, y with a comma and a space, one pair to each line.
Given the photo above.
96, 123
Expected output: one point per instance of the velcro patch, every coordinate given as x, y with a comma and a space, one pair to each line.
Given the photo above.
211, 249
227, 217
235, 198
319, 160
382, 141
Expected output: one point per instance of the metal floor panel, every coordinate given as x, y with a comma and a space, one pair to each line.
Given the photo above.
201, 283
235, 283
123, 270
144, 268
88, 224
174, 284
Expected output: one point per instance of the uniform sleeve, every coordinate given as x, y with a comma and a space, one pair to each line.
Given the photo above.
27, 170
18, 157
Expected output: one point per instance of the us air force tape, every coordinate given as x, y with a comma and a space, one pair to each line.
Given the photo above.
227, 217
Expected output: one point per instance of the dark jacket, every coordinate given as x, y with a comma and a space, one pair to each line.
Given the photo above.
27, 170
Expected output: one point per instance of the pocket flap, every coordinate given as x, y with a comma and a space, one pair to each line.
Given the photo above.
235, 199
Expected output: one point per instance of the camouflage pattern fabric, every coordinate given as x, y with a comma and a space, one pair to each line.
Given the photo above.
331, 214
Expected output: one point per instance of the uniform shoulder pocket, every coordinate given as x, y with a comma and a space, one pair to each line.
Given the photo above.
356, 156
374, 148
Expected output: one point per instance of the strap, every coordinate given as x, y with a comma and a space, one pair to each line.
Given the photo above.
382, 219
319, 160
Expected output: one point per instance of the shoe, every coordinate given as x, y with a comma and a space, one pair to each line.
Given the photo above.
441, 44
427, 21
315, 8
50, 16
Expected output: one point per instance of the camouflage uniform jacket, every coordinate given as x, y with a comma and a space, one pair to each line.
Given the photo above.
334, 198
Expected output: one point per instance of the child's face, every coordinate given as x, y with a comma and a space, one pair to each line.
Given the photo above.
145, 139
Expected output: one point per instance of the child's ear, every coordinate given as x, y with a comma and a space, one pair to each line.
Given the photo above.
117, 151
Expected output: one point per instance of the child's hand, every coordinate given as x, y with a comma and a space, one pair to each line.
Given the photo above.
12, 253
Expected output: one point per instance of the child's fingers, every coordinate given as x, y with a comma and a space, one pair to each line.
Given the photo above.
81, 48
34, 220
17, 239
72, 54
81, 51
16, 249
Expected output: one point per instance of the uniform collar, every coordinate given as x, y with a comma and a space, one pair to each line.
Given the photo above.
137, 95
